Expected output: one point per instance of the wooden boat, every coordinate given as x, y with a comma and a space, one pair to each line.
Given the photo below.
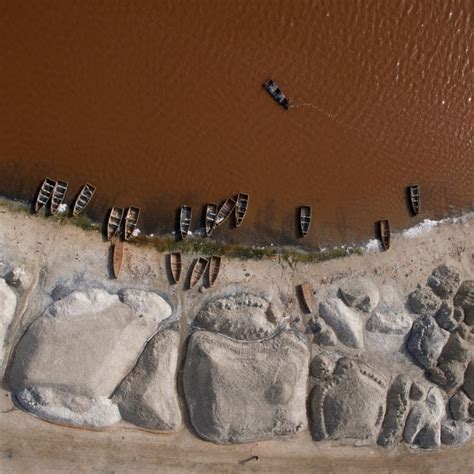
118, 249
306, 294
305, 219
199, 268
113, 224
84, 198
175, 265
241, 206
44, 193
414, 195
272, 88
210, 218
185, 220
214, 268
384, 228
225, 211
131, 221
57, 198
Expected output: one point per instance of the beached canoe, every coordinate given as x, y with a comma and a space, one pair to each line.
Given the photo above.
384, 229
44, 194
131, 221
210, 218
214, 268
84, 198
272, 88
306, 295
225, 210
414, 194
185, 216
59, 193
199, 268
175, 265
305, 220
241, 206
113, 224
118, 249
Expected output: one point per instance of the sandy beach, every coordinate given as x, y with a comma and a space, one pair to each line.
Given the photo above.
59, 258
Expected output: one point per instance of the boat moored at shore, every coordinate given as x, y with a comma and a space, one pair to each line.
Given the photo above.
185, 220
241, 206
131, 222
305, 216
58, 195
414, 194
198, 270
84, 199
113, 224
225, 210
210, 218
44, 194
384, 230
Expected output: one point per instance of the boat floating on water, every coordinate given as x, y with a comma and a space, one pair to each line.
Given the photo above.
414, 194
118, 249
113, 224
84, 198
44, 193
214, 268
58, 195
225, 211
131, 221
199, 268
305, 219
185, 220
272, 88
384, 229
175, 265
306, 294
241, 206
210, 218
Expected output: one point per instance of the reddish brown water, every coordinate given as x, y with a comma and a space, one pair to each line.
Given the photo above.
161, 103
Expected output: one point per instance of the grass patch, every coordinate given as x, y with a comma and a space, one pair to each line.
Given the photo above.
196, 245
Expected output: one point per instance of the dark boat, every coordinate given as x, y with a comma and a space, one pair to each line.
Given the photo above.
272, 88
384, 229
305, 219
225, 211
241, 206
175, 265
415, 198
306, 294
199, 268
44, 193
131, 221
84, 198
214, 268
210, 218
113, 224
117, 257
185, 221
59, 193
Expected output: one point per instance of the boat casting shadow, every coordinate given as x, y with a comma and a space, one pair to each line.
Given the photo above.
169, 274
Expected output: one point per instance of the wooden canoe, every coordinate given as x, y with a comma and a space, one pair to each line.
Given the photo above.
84, 198
59, 193
384, 229
199, 268
414, 194
272, 88
118, 249
210, 218
131, 221
185, 216
306, 295
241, 206
44, 193
225, 210
305, 220
113, 224
175, 265
214, 268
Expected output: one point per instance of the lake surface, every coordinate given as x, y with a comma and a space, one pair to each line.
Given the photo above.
161, 104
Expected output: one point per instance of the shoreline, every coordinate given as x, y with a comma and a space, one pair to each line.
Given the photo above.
209, 246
